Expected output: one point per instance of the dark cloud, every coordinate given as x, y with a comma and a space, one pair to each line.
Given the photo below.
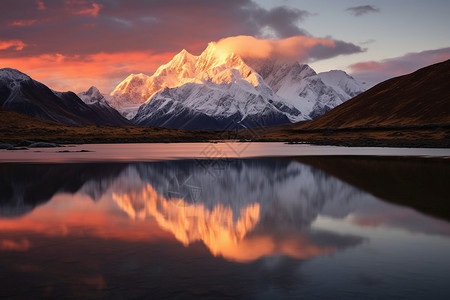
83, 27
362, 10
377, 71
86, 26
341, 48
282, 20
369, 41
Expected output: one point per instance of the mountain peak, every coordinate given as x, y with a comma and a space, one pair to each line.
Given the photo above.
132, 80
212, 46
139, 75
13, 74
337, 74
22, 94
214, 57
208, 58
210, 51
403, 97
92, 95
180, 66
343, 82
183, 55
93, 90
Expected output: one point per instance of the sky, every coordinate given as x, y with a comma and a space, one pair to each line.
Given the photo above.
74, 44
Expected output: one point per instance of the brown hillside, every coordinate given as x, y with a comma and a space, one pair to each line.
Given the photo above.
419, 98
14, 120
16, 126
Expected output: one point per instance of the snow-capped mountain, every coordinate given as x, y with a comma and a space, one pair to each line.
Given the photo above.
343, 83
217, 90
20, 93
130, 94
311, 93
212, 91
92, 95
138, 88
96, 100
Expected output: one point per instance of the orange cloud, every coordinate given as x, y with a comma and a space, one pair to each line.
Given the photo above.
79, 72
13, 44
79, 8
297, 47
90, 11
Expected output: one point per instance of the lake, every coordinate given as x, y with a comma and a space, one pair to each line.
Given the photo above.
225, 220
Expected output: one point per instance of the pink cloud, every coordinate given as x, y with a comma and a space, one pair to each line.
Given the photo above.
40, 5
80, 7
23, 22
12, 44
79, 72
377, 71
364, 66
90, 11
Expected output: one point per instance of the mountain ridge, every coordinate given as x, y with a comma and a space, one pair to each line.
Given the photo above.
220, 91
418, 98
215, 76
20, 93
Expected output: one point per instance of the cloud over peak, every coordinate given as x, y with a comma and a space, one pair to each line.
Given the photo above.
296, 48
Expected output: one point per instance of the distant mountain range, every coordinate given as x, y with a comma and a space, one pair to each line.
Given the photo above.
210, 91
419, 98
224, 91
216, 92
20, 93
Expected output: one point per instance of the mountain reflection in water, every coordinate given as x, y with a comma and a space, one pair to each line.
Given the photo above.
249, 211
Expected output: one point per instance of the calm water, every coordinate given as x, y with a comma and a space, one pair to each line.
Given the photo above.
257, 228
152, 152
